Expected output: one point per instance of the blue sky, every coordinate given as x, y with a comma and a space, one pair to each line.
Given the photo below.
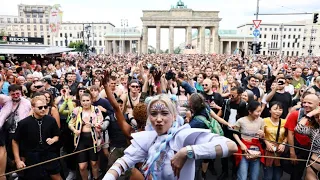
232, 12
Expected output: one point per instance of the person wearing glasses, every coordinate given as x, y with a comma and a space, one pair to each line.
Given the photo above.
34, 142
18, 105
131, 98
37, 86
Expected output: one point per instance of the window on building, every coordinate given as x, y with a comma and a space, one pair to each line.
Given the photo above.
47, 27
70, 34
22, 34
105, 27
34, 15
16, 34
275, 29
60, 34
284, 29
47, 21
29, 34
21, 27
265, 36
34, 20
284, 36
35, 34
100, 34
41, 21
294, 29
61, 43
260, 36
298, 44
289, 29
292, 45
65, 28
28, 27
15, 20
40, 15
70, 28
35, 27
304, 38
270, 29
289, 36
21, 20
297, 53
41, 27
28, 15
287, 53
299, 29
303, 46
1, 20
100, 43
251, 29
28, 20
95, 42
57, 44
284, 44
8, 20
299, 36
260, 29
294, 36
65, 35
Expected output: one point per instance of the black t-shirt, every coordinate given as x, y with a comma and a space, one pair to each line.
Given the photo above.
255, 91
215, 97
286, 100
106, 105
316, 88
58, 86
116, 136
28, 134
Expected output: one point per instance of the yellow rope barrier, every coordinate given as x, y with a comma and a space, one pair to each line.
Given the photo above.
272, 157
50, 160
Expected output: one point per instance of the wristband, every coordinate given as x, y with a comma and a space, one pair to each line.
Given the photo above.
109, 176
122, 163
117, 169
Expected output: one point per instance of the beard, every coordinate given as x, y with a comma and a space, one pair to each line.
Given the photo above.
16, 100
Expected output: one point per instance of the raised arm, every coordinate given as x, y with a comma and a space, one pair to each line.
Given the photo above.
124, 126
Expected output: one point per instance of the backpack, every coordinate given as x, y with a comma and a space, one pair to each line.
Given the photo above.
212, 124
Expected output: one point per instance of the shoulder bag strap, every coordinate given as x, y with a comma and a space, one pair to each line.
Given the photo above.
16, 108
278, 131
129, 97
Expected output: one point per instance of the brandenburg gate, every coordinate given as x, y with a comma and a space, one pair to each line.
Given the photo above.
182, 17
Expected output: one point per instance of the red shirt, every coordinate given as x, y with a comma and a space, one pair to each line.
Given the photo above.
292, 121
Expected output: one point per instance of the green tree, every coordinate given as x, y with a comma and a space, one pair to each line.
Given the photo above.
177, 50
151, 50
166, 51
3, 33
78, 45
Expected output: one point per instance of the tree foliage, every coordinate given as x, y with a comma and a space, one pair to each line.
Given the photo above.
78, 45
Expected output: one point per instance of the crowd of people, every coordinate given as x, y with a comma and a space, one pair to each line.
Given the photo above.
160, 116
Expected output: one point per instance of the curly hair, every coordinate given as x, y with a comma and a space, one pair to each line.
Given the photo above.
140, 115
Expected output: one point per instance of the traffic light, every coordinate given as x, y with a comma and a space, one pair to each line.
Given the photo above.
315, 18
258, 48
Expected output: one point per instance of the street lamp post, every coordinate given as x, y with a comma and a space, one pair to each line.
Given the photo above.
87, 30
124, 24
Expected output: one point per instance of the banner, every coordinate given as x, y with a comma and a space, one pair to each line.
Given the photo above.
21, 39
55, 19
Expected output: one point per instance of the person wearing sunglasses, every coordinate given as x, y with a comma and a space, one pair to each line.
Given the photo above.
15, 105
37, 86
35, 138
131, 98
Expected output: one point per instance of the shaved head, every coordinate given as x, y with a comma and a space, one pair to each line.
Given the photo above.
310, 102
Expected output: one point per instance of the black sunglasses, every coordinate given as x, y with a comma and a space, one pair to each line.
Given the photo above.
42, 107
135, 86
38, 87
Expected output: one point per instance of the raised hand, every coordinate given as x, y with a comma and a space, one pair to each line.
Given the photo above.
105, 79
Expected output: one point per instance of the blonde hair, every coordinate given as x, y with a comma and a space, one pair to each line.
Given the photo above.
166, 100
36, 99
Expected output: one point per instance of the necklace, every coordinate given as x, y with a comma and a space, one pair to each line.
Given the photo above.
134, 99
40, 130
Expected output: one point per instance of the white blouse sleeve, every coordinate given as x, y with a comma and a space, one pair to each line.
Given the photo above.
134, 154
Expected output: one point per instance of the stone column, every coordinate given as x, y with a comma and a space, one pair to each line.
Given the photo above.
114, 48
246, 49
138, 47
130, 49
106, 43
229, 47
216, 40
238, 46
171, 39
211, 40
158, 39
145, 40
202, 39
221, 47
189, 35
198, 40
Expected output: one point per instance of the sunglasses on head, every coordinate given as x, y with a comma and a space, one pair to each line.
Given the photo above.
38, 87
42, 107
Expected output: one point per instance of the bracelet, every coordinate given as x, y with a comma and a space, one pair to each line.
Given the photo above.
122, 163
109, 176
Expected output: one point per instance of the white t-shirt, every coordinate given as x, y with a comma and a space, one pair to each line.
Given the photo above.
289, 89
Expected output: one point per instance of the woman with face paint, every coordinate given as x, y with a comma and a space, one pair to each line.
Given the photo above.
169, 151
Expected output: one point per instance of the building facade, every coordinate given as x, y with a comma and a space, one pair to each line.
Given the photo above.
79, 32
32, 21
293, 39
